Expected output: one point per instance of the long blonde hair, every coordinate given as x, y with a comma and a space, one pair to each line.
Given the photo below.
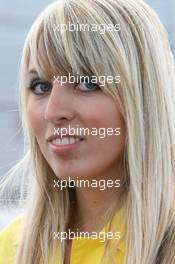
141, 55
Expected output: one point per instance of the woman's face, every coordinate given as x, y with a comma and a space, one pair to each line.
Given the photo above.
56, 106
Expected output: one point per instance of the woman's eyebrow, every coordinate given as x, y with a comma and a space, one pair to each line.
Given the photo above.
33, 72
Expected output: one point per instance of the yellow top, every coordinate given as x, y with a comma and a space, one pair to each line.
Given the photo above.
83, 250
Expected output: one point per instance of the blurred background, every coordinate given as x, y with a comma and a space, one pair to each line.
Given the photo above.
16, 18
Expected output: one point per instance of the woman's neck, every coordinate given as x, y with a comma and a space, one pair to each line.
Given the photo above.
93, 207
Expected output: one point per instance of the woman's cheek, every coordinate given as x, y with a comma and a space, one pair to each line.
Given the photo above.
35, 116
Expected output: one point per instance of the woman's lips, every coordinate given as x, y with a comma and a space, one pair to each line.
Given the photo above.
65, 144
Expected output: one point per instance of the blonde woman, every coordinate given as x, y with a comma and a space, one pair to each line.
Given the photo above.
117, 184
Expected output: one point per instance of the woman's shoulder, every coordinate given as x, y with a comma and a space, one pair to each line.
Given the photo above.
9, 240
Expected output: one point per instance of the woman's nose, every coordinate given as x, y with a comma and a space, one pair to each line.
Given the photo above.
59, 104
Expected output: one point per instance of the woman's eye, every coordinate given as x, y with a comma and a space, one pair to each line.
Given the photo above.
40, 87
88, 86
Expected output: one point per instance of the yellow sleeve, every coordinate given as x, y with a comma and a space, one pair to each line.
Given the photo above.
9, 240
